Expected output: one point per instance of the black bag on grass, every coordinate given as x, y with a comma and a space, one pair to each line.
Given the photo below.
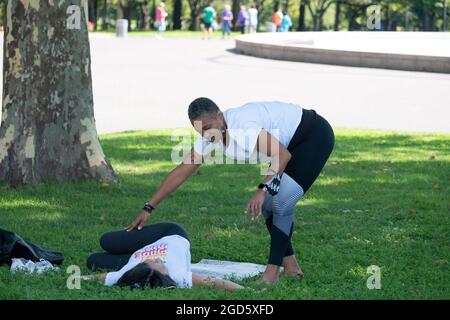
13, 246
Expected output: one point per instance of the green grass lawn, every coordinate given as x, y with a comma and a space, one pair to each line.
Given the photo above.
383, 199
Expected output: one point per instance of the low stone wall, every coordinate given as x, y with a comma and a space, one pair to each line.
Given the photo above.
267, 46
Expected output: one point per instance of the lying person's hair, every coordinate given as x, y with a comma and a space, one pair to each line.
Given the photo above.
143, 275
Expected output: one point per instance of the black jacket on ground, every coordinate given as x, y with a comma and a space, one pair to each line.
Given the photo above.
13, 246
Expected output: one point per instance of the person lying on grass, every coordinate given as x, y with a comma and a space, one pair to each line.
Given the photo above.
298, 142
158, 256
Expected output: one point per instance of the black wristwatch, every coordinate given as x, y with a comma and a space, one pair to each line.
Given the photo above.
148, 207
262, 186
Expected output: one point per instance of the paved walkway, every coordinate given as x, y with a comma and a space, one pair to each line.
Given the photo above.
144, 83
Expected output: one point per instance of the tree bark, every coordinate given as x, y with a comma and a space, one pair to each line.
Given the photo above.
444, 15
105, 20
301, 17
276, 5
177, 10
194, 21
144, 16
337, 16
259, 5
48, 128
92, 12
235, 8
286, 6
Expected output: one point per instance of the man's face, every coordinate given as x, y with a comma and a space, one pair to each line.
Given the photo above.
210, 127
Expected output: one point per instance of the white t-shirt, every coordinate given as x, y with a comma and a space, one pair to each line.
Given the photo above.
173, 250
244, 124
253, 16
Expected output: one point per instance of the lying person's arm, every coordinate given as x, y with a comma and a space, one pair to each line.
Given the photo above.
95, 277
199, 280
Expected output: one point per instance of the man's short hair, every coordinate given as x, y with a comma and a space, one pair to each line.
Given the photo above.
202, 107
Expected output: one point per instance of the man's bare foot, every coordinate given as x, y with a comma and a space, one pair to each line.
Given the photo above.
292, 268
271, 275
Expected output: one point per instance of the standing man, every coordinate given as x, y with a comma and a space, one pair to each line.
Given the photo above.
209, 14
253, 18
298, 142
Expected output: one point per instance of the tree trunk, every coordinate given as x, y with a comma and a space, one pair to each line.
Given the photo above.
388, 20
286, 6
259, 5
301, 17
320, 27
177, 10
235, 7
444, 16
276, 5
194, 21
92, 12
315, 22
95, 14
105, 20
337, 16
144, 16
153, 15
48, 127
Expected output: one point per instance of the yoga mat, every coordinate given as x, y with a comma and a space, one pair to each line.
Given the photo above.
227, 269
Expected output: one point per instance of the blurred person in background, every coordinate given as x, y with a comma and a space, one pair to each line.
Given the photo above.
227, 18
276, 20
253, 18
242, 20
209, 15
161, 15
286, 22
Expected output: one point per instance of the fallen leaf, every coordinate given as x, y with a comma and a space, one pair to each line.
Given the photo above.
441, 262
432, 157
209, 236
203, 209
104, 184
437, 186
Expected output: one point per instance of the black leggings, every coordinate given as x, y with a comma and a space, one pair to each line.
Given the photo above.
120, 245
310, 148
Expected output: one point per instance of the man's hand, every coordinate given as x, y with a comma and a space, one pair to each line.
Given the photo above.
139, 221
254, 207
